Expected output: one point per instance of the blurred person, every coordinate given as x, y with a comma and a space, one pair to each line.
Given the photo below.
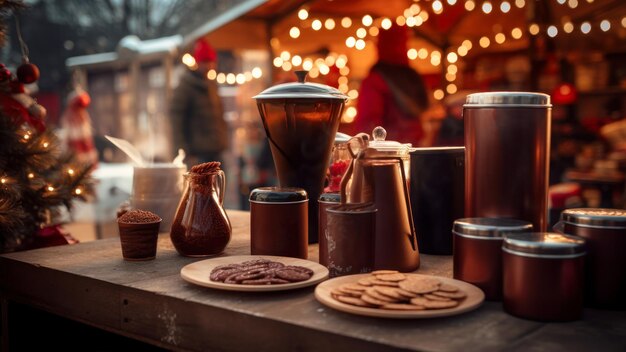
77, 129
393, 95
196, 111
451, 130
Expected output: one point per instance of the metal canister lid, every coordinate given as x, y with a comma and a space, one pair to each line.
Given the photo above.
489, 228
330, 197
278, 195
544, 245
507, 99
301, 90
595, 217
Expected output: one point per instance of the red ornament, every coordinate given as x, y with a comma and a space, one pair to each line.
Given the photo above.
27, 73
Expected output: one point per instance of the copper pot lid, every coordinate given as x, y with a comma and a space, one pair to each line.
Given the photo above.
544, 245
595, 217
507, 99
301, 90
278, 195
489, 228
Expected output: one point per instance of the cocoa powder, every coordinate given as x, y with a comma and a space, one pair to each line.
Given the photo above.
137, 216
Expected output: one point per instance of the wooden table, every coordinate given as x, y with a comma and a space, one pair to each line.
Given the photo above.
148, 301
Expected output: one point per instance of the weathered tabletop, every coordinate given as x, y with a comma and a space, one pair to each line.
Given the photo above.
148, 301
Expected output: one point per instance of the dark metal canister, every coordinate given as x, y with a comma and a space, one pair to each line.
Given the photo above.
279, 222
605, 233
478, 251
437, 191
507, 153
543, 276
326, 201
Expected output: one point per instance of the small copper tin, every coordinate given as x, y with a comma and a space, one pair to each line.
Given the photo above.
605, 233
543, 276
477, 246
279, 222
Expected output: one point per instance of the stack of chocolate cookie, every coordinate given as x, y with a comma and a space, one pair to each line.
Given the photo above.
260, 272
389, 289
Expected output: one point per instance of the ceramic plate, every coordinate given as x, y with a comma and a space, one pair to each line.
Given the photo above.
198, 273
474, 299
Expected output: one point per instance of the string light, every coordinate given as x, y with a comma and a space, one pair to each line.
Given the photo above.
350, 42
469, 6
520, 3
3, 180
367, 20
78, 191
451, 2
341, 61
462, 51
415, 9
552, 31
533, 29
296, 60
452, 57
286, 66
26, 136
411, 22
400, 20
439, 94
344, 71
422, 53
572, 3
505, 7
330, 59
450, 77
342, 80
285, 55
386, 23
453, 69
70, 171
605, 25
568, 27
346, 22
353, 94
231, 78
350, 114
516, 33
294, 32
329, 24
360, 44
316, 25
451, 88
240, 78
412, 54
484, 42
373, 31
437, 7
278, 62
30, 175
212, 74
188, 60
624, 21
307, 64
221, 78
585, 27
468, 44
50, 189
314, 72
361, 32
500, 38
303, 14
487, 7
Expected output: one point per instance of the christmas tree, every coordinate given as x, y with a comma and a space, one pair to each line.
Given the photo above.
36, 179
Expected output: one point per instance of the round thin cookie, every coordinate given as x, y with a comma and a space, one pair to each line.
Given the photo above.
353, 301
384, 272
418, 286
435, 298
454, 295
448, 288
372, 292
366, 281
441, 304
401, 306
373, 300
391, 292
391, 277
353, 287
383, 283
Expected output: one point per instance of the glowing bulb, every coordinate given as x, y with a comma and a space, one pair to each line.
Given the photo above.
585, 27
342, 80
296, 60
462, 51
240, 78
424, 16
3, 180
26, 136
350, 42
374, 31
211, 74
533, 29
343, 88
45, 144
70, 171
344, 71
307, 64
451, 2
231, 78
30, 175
221, 78
386, 23
285, 55
453, 69
188, 60
316, 25
452, 57
505, 7
351, 112
329, 24
78, 191
437, 7
516, 33
487, 7
568, 27
346, 22
353, 94
422, 53
330, 60
451, 88
410, 21
572, 3
257, 72
50, 189
500, 38
484, 42
450, 77
324, 69
520, 3
248, 76
435, 61
361, 33
341, 61
303, 14
278, 62
412, 54
414, 9
605, 25
367, 20
287, 66
561, 1
400, 20
294, 32
624, 21
314, 73
469, 6
360, 44
438, 94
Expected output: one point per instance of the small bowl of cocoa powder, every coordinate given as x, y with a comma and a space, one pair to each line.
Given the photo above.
139, 231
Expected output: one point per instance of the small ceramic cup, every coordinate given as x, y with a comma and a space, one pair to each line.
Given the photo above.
139, 239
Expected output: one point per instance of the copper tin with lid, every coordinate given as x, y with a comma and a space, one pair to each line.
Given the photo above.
543, 276
325, 201
605, 233
279, 222
477, 244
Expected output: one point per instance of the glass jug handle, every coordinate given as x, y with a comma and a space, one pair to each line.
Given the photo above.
408, 205
221, 185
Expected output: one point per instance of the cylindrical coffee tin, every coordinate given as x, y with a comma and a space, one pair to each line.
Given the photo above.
478, 251
325, 201
543, 276
507, 153
279, 222
605, 233
437, 191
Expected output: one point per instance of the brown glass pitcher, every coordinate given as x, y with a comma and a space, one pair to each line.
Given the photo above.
378, 175
201, 227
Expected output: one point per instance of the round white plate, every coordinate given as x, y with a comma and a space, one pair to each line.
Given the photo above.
198, 273
474, 299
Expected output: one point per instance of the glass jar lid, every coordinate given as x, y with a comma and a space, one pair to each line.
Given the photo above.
510, 99
489, 228
595, 217
278, 195
301, 90
544, 244
379, 143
